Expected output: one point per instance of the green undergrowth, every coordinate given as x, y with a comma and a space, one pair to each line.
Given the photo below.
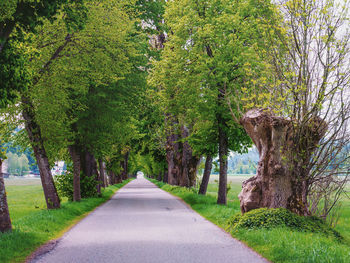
280, 217
33, 225
276, 234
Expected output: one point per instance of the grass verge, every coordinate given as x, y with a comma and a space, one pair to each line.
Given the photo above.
34, 226
280, 244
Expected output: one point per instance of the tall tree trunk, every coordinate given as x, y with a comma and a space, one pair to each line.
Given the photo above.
125, 166
189, 162
159, 178
182, 165
36, 140
172, 152
223, 152
102, 173
89, 167
165, 177
75, 156
5, 221
281, 179
112, 177
118, 178
206, 175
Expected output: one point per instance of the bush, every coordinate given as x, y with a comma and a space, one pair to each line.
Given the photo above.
64, 184
280, 217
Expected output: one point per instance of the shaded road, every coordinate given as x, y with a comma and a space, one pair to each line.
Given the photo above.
143, 224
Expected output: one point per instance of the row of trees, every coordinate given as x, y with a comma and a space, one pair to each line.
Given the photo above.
74, 70
157, 85
232, 73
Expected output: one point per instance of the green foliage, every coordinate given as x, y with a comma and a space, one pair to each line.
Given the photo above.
280, 217
204, 63
64, 184
14, 71
26, 15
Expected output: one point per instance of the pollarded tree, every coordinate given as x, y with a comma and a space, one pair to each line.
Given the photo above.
209, 45
303, 137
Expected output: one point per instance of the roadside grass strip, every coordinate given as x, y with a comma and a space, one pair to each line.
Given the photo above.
34, 226
277, 244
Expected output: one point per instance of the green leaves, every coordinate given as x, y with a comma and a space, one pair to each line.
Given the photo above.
213, 48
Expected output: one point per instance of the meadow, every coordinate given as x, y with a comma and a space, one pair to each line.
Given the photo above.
276, 244
33, 225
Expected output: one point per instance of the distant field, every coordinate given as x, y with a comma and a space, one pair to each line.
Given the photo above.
22, 181
231, 178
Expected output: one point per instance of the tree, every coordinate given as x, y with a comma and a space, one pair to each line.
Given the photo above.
204, 60
14, 57
5, 221
302, 138
206, 175
93, 78
71, 21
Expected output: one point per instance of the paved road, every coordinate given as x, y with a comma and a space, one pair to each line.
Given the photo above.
143, 224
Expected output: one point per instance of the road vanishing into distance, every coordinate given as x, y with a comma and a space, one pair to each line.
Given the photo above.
144, 224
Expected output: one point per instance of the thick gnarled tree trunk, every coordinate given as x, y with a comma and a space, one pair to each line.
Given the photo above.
36, 140
206, 175
172, 149
281, 179
5, 221
182, 164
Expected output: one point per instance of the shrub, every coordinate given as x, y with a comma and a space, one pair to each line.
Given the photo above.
280, 217
64, 184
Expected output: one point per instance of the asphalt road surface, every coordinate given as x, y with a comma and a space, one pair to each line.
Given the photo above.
143, 224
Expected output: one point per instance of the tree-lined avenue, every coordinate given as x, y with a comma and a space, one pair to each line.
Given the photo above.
142, 223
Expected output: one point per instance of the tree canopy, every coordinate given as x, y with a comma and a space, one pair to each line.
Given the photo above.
114, 87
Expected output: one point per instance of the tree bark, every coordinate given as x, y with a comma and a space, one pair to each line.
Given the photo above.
165, 177
223, 154
281, 179
75, 156
102, 173
206, 175
119, 178
89, 167
125, 166
172, 150
112, 177
182, 164
5, 221
36, 140
159, 178
189, 162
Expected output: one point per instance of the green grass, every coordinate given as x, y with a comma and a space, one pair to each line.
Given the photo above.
34, 225
278, 244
